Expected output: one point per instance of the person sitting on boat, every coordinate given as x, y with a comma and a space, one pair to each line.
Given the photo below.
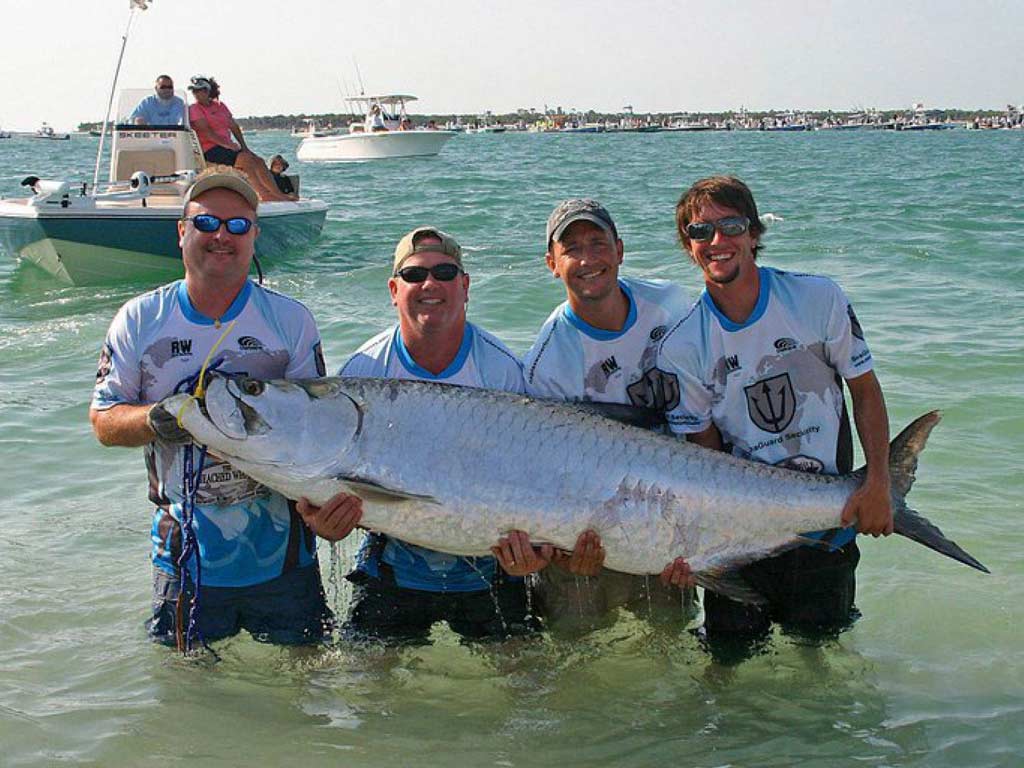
162, 108
375, 120
214, 126
278, 165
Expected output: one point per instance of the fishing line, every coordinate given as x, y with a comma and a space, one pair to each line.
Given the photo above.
192, 473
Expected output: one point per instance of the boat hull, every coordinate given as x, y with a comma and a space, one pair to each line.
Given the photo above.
135, 244
355, 147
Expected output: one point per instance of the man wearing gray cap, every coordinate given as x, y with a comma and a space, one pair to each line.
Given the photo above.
402, 589
596, 346
249, 555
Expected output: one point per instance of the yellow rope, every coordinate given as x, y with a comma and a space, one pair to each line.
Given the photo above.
200, 385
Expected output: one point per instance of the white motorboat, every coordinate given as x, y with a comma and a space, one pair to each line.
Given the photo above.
46, 132
310, 127
385, 132
126, 229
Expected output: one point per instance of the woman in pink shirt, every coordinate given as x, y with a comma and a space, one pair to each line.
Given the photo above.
215, 126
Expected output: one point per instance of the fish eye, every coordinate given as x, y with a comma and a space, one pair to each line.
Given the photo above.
252, 387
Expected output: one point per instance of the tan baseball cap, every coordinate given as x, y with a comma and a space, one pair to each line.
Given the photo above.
411, 245
223, 178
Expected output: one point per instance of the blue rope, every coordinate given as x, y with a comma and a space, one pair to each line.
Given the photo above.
190, 545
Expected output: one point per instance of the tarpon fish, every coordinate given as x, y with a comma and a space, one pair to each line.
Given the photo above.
454, 468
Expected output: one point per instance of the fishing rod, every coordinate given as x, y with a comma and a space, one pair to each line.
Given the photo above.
133, 5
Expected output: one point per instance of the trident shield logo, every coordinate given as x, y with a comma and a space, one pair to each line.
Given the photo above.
656, 389
771, 403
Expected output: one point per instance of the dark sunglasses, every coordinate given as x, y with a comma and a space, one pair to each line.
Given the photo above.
204, 222
702, 231
443, 272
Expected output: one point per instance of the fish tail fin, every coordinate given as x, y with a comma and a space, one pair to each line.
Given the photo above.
903, 454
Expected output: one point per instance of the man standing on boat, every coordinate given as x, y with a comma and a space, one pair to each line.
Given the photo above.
162, 107
596, 347
403, 589
756, 368
255, 565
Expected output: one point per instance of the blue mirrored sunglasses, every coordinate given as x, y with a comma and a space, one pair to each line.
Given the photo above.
204, 222
730, 226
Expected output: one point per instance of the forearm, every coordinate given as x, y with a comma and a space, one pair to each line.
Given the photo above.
122, 425
709, 438
872, 420
236, 131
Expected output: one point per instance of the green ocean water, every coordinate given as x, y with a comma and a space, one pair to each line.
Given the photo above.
923, 232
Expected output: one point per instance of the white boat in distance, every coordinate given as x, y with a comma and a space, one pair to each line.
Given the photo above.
385, 132
127, 229
46, 132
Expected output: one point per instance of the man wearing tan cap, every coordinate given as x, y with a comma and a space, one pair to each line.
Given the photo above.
250, 556
403, 589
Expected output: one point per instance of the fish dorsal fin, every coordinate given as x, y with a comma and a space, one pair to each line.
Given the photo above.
647, 418
368, 490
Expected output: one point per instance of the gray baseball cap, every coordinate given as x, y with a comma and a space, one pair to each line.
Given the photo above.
578, 209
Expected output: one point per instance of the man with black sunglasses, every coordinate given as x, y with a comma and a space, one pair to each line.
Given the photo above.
596, 346
757, 368
257, 568
402, 589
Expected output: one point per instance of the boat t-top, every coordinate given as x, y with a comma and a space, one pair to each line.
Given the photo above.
126, 228
385, 131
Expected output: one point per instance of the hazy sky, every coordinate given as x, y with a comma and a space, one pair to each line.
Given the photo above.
289, 56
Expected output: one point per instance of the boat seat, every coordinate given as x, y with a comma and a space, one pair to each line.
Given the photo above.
155, 162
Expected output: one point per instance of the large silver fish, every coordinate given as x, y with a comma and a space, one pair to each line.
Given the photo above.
454, 468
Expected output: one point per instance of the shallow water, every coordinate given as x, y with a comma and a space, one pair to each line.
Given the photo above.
922, 230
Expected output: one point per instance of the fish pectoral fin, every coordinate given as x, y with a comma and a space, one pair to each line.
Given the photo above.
729, 584
823, 540
371, 491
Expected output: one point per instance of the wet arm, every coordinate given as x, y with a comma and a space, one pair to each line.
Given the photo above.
870, 504
709, 438
123, 425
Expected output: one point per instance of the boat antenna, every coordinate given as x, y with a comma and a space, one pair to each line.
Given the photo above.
362, 90
133, 6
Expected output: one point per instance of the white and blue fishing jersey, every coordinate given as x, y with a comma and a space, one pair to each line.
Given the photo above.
771, 384
156, 345
572, 360
482, 362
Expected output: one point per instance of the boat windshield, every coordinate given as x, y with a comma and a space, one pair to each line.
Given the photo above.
134, 104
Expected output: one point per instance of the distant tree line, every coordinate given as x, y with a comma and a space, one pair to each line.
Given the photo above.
338, 119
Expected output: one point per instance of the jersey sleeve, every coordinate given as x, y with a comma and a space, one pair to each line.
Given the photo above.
845, 346
552, 368
119, 372
497, 367
681, 381
307, 357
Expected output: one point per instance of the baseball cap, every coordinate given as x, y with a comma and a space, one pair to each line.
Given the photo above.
223, 178
578, 209
409, 246
199, 83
